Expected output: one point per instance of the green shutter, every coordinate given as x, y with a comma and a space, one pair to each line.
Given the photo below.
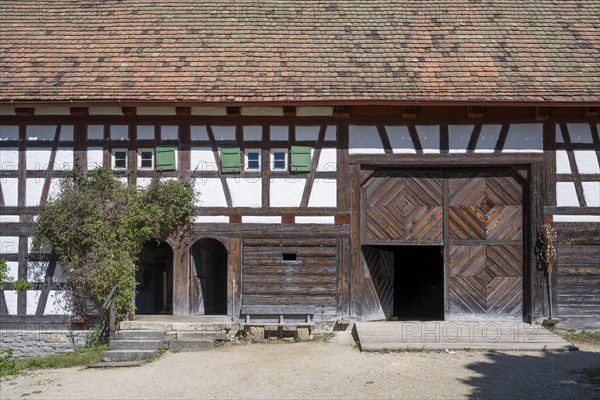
230, 160
300, 159
165, 158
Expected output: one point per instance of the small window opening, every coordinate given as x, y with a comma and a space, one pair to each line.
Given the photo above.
289, 256
279, 159
146, 159
253, 160
120, 159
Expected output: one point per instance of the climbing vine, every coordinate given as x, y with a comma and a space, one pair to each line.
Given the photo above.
96, 227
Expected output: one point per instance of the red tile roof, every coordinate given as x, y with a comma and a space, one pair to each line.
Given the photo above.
300, 50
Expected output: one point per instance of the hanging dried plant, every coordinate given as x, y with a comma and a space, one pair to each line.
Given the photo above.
548, 250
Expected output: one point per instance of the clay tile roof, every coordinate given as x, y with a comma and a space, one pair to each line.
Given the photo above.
300, 50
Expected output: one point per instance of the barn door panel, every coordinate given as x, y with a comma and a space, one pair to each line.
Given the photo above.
403, 207
378, 296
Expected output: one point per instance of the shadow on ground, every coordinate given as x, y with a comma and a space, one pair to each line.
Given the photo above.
527, 376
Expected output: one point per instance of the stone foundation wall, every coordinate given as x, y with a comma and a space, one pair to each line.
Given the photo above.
41, 342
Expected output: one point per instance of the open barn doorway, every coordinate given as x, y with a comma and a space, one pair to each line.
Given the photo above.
154, 293
208, 278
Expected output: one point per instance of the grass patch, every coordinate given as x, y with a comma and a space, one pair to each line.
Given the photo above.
589, 337
593, 375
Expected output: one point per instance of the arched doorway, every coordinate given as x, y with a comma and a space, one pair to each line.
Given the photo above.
154, 277
208, 270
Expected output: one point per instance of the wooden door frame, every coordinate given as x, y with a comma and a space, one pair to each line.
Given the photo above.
533, 163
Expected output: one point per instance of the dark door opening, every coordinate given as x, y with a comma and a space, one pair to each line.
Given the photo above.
208, 277
154, 293
418, 282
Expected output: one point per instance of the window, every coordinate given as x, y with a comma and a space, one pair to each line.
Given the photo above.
300, 159
146, 159
253, 160
165, 158
279, 158
119, 159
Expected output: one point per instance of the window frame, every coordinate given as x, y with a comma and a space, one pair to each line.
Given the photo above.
141, 159
247, 161
285, 160
113, 163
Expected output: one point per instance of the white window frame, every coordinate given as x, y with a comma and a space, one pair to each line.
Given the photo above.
140, 151
246, 152
286, 160
114, 159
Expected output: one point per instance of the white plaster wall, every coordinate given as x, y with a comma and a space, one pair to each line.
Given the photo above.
400, 140
579, 133
562, 162
9, 244
307, 132
57, 303
313, 111
143, 182
258, 111
13, 269
33, 298
327, 160
591, 191
94, 157
66, 133
52, 111
63, 160
9, 132
224, 132
41, 132
10, 191
566, 196
9, 159
145, 132
323, 193
587, 162
524, 138
36, 270
261, 219
37, 158
202, 159
155, 111
212, 111
364, 140
252, 132
211, 219
458, 137
576, 218
119, 132
106, 111
245, 192
315, 220
10, 296
286, 192
210, 192
33, 191
331, 132
9, 218
95, 132
488, 137
279, 133
7, 110
429, 136
198, 133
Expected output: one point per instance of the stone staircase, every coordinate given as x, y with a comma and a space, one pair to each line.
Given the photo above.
138, 340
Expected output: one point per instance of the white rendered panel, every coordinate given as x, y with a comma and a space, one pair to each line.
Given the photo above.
119, 132
203, 159
524, 138
566, 195
9, 218
155, 111
591, 191
9, 244
13, 269
429, 136
168, 132
400, 140
253, 132
33, 191
576, 218
327, 160
145, 132
57, 303
211, 111
10, 297
210, 192
198, 133
314, 111
9, 159
323, 193
95, 132
314, 220
37, 158
579, 133
286, 192
143, 182
364, 140
211, 219
41, 132
259, 219
33, 298
458, 137
307, 133
279, 133
224, 132
94, 157
245, 192
258, 111
63, 160
10, 191
562, 162
587, 162
9, 132
52, 111
106, 111
488, 137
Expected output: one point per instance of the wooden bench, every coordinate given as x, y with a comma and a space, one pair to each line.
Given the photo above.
302, 329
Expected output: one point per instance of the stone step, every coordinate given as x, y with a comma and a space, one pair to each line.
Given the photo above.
136, 334
198, 336
126, 355
174, 326
116, 364
136, 344
190, 345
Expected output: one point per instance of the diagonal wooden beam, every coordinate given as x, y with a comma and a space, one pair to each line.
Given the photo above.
50, 168
215, 150
310, 179
385, 140
41, 307
573, 163
414, 136
474, 138
502, 138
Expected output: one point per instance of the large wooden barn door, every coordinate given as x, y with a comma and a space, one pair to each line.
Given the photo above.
485, 245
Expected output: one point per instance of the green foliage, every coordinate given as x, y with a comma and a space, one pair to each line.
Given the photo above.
3, 272
97, 336
97, 226
8, 364
22, 285
82, 356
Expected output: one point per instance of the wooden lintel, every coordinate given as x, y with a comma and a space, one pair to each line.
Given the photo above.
409, 112
342, 219
542, 113
475, 112
129, 111
234, 112
79, 111
590, 111
235, 219
341, 112
288, 219
289, 111
24, 112
183, 111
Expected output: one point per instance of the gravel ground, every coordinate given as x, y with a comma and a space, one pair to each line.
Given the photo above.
322, 370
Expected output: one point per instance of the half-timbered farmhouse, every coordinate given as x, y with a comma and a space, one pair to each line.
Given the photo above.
361, 159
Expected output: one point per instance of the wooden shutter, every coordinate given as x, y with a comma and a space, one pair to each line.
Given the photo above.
300, 159
230, 160
165, 158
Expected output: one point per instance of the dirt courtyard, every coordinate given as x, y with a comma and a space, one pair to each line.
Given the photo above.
331, 370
